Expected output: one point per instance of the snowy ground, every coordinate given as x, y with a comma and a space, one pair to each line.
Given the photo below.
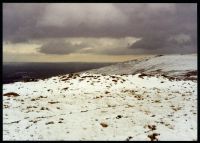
101, 107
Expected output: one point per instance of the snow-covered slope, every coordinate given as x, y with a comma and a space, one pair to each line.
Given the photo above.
170, 65
89, 106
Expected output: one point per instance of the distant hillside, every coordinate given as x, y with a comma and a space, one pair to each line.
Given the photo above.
168, 65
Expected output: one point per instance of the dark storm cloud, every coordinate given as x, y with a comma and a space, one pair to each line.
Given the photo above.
156, 26
19, 21
159, 25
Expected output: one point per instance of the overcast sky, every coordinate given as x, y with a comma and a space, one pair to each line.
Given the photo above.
97, 32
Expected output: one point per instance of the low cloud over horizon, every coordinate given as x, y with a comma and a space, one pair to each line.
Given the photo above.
63, 29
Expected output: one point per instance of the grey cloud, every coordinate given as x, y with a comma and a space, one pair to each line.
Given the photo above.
19, 21
90, 15
148, 43
180, 43
154, 23
158, 29
106, 46
180, 39
58, 47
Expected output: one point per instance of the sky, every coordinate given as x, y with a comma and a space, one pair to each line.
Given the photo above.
97, 32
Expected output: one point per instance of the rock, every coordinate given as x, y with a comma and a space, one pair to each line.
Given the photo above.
119, 116
129, 138
104, 125
153, 137
52, 102
107, 92
152, 127
49, 123
11, 94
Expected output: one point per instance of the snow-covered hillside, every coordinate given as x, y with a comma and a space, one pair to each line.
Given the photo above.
111, 106
169, 65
